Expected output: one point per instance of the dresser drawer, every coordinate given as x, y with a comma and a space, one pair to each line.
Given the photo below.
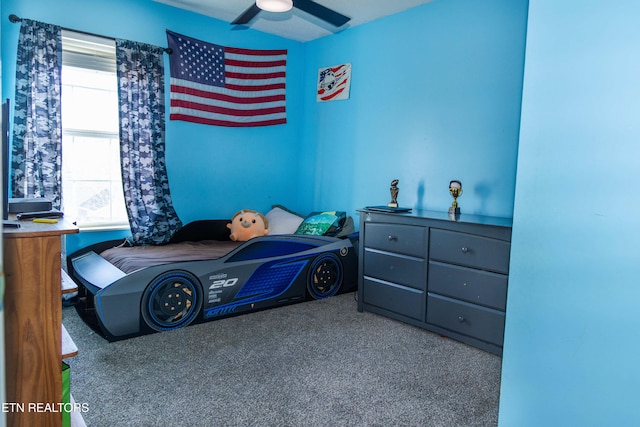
399, 238
470, 250
475, 286
479, 322
403, 269
400, 299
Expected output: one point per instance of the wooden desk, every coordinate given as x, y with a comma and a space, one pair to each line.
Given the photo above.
33, 320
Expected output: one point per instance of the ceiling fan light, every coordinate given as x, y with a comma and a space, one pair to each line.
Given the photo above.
275, 5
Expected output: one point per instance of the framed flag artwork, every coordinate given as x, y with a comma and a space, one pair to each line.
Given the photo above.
334, 83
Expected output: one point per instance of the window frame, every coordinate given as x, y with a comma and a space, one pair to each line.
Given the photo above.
87, 51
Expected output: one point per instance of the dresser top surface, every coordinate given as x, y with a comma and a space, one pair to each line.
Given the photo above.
445, 216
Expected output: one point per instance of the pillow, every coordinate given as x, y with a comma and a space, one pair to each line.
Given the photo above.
282, 221
322, 223
348, 228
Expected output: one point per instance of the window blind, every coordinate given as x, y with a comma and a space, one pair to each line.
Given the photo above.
88, 51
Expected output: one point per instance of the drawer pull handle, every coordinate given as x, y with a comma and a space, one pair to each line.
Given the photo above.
465, 249
393, 238
460, 319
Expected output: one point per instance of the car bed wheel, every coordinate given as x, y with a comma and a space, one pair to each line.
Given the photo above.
172, 300
325, 276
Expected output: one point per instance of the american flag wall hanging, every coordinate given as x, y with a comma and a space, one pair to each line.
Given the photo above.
334, 83
226, 86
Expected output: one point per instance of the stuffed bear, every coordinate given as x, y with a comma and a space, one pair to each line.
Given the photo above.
248, 224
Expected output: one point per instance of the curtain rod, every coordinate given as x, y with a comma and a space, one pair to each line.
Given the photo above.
15, 19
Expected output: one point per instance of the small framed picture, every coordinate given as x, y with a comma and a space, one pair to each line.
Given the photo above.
334, 83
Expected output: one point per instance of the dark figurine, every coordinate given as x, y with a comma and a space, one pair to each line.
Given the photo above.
394, 194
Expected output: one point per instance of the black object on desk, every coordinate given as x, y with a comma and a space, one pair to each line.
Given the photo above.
40, 214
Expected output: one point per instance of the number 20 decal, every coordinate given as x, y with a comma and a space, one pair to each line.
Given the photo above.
223, 283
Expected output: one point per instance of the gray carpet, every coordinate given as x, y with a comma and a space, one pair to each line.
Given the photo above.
318, 363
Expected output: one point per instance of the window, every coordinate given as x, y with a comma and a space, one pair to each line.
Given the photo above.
91, 181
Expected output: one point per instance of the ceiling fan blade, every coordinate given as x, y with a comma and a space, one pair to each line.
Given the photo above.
247, 15
321, 12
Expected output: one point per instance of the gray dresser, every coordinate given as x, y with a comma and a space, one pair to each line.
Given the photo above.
448, 275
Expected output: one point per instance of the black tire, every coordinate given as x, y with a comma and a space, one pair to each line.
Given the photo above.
325, 276
172, 300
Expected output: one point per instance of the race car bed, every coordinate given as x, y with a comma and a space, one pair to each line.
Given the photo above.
202, 275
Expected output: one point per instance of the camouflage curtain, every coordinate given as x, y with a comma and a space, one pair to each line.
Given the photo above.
36, 152
140, 69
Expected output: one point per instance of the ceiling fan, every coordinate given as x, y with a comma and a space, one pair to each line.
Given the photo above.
332, 17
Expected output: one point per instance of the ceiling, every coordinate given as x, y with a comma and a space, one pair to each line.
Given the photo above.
295, 24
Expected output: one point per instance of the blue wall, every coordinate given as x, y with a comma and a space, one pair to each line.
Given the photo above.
572, 340
435, 96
